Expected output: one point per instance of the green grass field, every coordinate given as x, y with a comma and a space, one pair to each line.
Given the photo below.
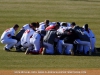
27, 11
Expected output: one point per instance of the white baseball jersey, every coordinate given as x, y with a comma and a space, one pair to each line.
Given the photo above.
52, 23
41, 23
8, 33
62, 29
44, 23
68, 24
90, 34
62, 23
41, 27
27, 35
92, 39
36, 36
25, 27
35, 40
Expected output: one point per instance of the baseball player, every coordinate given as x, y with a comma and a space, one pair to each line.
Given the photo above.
20, 33
65, 43
82, 40
23, 29
69, 39
60, 43
52, 26
8, 37
26, 26
35, 42
62, 28
68, 25
49, 40
25, 39
91, 36
43, 25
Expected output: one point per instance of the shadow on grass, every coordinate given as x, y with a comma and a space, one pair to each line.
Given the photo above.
17, 51
95, 54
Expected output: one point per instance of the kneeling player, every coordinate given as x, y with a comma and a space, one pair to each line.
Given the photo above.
27, 35
91, 35
35, 42
19, 35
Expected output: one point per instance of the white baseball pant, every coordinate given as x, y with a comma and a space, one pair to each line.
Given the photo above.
25, 44
18, 44
68, 48
60, 46
49, 48
35, 43
86, 46
9, 42
92, 41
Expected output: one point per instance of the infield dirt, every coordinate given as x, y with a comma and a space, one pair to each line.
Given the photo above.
50, 72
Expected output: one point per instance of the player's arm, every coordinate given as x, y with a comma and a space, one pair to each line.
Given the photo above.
13, 34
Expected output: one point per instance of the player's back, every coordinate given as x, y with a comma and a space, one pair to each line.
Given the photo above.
25, 27
8, 33
27, 34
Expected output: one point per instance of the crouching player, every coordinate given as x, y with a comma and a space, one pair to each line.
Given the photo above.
27, 35
8, 37
91, 35
66, 41
69, 39
82, 41
49, 40
19, 35
35, 41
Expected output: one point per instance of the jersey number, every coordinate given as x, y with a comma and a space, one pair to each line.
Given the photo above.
27, 31
7, 30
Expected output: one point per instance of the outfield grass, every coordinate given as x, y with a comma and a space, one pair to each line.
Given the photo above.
17, 61
23, 11
27, 11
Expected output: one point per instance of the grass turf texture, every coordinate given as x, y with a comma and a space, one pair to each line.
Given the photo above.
26, 11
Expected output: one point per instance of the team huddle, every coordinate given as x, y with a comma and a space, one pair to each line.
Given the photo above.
50, 38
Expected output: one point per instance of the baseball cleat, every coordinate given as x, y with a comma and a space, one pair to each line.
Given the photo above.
27, 52
6, 49
72, 52
43, 51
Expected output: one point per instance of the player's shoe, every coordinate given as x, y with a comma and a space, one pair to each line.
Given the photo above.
12, 47
72, 52
43, 51
34, 52
6, 49
27, 51
23, 49
18, 49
